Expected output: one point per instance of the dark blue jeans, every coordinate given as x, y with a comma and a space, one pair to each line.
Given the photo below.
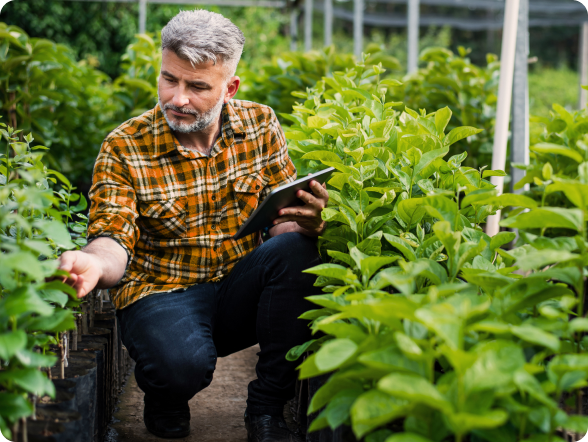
176, 337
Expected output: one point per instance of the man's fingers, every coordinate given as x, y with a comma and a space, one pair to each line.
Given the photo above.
79, 287
296, 219
307, 198
320, 191
300, 212
67, 261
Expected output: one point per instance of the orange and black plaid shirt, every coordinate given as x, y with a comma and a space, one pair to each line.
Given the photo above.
175, 210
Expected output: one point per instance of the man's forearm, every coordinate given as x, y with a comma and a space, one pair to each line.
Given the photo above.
111, 258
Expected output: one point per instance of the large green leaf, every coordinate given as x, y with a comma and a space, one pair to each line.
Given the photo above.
557, 149
465, 422
411, 210
392, 359
497, 362
414, 389
25, 300
333, 271
339, 408
329, 390
372, 264
442, 208
442, 118
11, 343
509, 199
29, 379
374, 409
459, 133
388, 311
323, 155
546, 217
335, 353
537, 336
14, 406
402, 246
542, 258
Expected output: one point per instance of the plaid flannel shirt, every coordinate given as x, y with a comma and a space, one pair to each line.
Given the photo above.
175, 210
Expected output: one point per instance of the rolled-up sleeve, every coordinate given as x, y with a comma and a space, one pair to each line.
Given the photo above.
280, 168
113, 208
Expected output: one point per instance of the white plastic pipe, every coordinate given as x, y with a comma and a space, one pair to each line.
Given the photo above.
328, 22
583, 63
413, 35
142, 16
358, 28
507, 61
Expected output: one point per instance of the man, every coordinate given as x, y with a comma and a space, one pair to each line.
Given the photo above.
170, 189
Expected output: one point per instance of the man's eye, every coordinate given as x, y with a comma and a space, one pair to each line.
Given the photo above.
169, 80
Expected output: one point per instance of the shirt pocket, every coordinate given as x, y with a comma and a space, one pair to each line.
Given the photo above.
163, 218
247, 192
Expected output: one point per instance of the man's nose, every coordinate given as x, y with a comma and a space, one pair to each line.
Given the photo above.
180, 98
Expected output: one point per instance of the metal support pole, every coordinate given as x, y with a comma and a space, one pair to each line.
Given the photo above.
142, 16
308, 25
507, 59
519, 152
294, 29
328, 22
583, 64
413, 35
358, 28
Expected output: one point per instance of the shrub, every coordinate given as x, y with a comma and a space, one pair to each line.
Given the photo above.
470, 91
429, 328
66, 105
34, 222
274, 83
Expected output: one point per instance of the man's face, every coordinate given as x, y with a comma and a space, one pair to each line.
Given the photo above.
192, 97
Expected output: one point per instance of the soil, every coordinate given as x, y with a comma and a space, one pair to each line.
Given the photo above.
217, 411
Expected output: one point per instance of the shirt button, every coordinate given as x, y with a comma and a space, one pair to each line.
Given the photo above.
257, 187
213, 198
213, 227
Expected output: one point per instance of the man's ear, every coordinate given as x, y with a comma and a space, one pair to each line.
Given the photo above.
232, 87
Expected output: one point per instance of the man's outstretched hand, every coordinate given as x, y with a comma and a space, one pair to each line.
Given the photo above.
308, 217
84, 271
101, 264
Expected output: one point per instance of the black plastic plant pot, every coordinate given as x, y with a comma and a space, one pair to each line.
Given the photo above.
97, 346
55, 426
82, 371
65, 396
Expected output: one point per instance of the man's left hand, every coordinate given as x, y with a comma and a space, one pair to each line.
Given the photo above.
308, 216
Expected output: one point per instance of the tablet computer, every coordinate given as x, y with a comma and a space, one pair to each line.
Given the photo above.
279, 198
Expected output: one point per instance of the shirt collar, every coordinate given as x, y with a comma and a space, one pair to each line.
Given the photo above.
164, 140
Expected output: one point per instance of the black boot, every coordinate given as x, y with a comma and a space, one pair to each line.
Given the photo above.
265, 428
166, 421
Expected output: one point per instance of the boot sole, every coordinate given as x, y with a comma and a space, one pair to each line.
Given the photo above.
166, 435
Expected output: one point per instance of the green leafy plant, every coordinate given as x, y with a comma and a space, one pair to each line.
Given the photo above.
34, 307
470, 91
429, 331
275, 83
136, 88
67, 105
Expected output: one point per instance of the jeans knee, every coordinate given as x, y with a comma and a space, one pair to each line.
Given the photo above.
296, 250
179, 376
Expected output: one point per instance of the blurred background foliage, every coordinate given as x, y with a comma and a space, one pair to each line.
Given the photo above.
115, 71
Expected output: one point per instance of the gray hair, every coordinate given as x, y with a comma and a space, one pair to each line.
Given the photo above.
199, 36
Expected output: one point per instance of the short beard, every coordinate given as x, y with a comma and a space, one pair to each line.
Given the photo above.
203, 120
